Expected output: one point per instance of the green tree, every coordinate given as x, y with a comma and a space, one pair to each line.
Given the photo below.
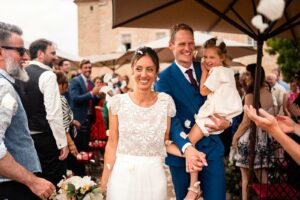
289, 55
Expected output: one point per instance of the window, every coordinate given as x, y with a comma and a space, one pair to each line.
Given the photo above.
160, 35
126, 41
102, 2
252, 41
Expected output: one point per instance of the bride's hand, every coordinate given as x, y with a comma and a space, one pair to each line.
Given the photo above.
102, 186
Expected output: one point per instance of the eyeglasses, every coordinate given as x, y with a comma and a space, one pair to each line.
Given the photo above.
20, 50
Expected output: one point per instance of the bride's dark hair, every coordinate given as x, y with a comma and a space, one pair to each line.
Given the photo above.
141, 52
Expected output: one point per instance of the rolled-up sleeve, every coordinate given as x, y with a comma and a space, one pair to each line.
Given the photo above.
8, 108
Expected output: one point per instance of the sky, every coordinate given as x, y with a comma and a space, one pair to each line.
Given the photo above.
55, 20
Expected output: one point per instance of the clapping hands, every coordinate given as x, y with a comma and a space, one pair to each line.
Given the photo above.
269, 122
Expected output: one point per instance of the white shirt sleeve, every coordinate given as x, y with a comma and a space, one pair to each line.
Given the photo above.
8, 108
49, 88
185, 146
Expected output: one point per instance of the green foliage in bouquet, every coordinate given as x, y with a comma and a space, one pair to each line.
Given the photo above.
77, 188
80, 193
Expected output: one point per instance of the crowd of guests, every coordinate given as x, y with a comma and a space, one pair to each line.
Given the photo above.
48, 119
48, 116
277, 99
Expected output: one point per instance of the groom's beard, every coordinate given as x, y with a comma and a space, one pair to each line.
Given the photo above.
15, 70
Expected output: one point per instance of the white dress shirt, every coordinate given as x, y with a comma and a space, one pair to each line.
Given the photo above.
49, 88
184, 69
278, 92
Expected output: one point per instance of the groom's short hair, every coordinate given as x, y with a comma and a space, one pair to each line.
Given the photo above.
178, 27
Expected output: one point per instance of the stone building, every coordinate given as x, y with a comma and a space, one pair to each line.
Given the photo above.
96, 35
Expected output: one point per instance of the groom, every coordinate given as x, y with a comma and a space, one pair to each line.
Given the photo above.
181, 81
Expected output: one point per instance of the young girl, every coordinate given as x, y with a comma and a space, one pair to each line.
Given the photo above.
218, 84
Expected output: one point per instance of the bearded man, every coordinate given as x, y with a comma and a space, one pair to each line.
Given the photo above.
18, 158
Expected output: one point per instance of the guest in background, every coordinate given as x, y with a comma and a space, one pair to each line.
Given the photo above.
83, 98
42, 103
98, 129
277, 73
70, 124
241, 140
290, 96
277, 91
64, 66
124, 84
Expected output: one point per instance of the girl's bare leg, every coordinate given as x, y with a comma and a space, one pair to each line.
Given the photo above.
195, 134
194, 189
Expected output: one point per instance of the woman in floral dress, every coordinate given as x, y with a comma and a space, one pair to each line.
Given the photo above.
241, 139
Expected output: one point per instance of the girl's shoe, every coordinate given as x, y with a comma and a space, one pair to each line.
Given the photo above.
195, 189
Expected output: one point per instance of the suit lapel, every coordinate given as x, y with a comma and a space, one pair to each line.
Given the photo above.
197, 68
185, 86
82, 84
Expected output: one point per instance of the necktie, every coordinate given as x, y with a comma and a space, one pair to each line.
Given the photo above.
189, 72
89, 88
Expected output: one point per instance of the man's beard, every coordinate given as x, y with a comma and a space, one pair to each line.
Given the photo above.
15, 70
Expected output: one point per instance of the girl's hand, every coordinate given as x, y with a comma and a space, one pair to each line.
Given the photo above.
72, 146
204, 68
76, 124
73, 149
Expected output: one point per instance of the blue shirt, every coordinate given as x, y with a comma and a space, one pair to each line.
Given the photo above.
284, 85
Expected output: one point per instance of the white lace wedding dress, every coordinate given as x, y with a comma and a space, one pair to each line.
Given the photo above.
138, 171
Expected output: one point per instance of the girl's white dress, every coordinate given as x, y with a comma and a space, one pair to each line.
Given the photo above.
223, 100
138, 172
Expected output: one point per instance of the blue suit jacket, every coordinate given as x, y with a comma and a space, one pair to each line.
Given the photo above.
79, 98
187, 101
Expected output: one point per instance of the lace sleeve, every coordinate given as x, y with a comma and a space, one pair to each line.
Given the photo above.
115, 104
171, 106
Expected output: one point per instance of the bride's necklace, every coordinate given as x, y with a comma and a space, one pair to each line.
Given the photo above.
143, 100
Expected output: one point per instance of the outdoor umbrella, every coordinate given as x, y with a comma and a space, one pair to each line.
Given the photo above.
111, 60
161, 46
232, 16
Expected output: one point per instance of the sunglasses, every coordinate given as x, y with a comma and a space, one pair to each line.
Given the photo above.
20, 50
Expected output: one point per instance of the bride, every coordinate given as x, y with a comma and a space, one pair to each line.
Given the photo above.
139, 122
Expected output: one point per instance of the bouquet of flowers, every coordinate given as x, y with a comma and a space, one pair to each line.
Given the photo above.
77, 188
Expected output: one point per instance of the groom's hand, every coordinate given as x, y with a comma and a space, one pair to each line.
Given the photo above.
194, 159
220, 123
